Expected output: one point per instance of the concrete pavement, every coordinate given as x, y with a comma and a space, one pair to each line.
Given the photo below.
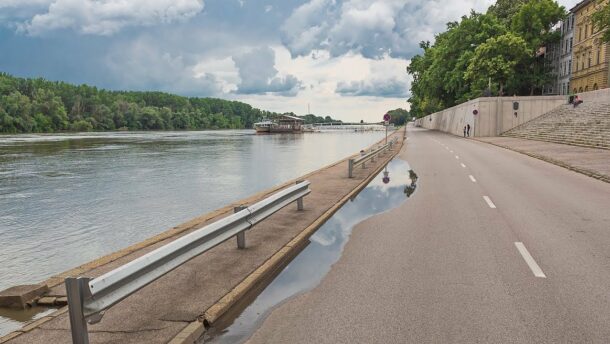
494, 247
593, 162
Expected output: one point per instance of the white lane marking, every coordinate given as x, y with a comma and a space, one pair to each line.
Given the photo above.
529, 260
457, 157
451, 151
472, 178
489, 202
464, 166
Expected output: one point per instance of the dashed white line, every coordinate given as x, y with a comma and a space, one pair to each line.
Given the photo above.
529, 260
472, 178
457, 157
464, 166
451, 151
489, 202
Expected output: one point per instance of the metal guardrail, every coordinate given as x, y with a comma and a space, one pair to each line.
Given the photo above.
88, 299
361, 160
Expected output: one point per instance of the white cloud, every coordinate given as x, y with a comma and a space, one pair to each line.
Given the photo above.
259, 76
320, 74
268, 8
107, 17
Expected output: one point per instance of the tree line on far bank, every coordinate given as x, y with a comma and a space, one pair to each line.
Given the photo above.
42, 106
492, 53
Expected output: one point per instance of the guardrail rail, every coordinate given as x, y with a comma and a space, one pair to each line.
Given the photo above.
374, 152
88, 299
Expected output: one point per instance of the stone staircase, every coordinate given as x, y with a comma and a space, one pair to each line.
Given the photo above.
586, 125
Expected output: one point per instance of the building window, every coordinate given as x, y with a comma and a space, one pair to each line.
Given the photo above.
586, 30
569, 67
590, 59
570, 46
599, 52
580, 34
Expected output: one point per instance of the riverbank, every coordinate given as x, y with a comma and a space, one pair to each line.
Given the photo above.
183, 297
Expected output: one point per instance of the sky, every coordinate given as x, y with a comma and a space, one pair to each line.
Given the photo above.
343, 58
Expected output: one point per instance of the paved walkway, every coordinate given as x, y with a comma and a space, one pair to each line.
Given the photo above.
158, 312
594, 162
463, 260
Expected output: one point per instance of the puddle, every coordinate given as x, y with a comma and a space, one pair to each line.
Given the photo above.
387, 190
14, 319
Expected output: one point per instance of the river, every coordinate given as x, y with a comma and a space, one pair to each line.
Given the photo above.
68, 199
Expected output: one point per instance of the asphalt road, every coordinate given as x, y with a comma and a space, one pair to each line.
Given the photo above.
494, 247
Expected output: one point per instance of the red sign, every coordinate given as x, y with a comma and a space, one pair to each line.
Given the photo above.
387, 117
475, 112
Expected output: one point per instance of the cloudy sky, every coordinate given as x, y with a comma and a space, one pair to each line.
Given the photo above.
347, 58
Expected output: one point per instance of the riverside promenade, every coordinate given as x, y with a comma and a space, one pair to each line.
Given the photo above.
175, 307
494, 246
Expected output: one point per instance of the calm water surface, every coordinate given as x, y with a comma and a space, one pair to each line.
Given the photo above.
67, 199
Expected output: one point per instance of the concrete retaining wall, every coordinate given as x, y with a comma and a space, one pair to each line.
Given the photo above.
599, 96
495, 114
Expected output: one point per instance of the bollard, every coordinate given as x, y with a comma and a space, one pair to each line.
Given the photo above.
299, 200
241, 236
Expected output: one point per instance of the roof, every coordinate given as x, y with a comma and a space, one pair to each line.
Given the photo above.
292, 118
580, 5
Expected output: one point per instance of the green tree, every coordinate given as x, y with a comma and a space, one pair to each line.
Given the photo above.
601, 20
497, 59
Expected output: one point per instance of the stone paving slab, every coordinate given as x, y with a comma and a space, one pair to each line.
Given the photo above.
159, 311
593, 162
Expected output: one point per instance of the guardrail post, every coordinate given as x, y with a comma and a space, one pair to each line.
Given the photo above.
241, 236
299, 200
78, 324
350, 168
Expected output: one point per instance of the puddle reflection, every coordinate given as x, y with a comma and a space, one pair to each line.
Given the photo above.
386, 191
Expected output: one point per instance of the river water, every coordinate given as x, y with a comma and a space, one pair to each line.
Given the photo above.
68, 199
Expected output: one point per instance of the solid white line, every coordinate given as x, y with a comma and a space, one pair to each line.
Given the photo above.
529, 260
457, 157
472, 178
464, 166
489, 202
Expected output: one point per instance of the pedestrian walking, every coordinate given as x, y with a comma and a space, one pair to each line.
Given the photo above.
464, 131
468, 130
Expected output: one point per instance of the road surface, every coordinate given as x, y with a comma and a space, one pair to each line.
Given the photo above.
494, 247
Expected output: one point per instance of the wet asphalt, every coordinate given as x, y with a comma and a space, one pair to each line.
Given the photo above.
494, 247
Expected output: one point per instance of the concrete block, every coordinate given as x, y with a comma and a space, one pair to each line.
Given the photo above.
19, 296
46, 301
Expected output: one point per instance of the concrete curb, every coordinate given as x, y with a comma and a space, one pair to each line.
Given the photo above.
270, 267
586, 172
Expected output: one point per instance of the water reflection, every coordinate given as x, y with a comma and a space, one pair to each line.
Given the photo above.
386, 191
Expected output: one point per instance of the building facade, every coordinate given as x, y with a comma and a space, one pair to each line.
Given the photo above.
552, 54
589, 55
565, 55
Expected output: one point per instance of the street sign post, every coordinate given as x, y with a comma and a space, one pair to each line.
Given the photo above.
386, 119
